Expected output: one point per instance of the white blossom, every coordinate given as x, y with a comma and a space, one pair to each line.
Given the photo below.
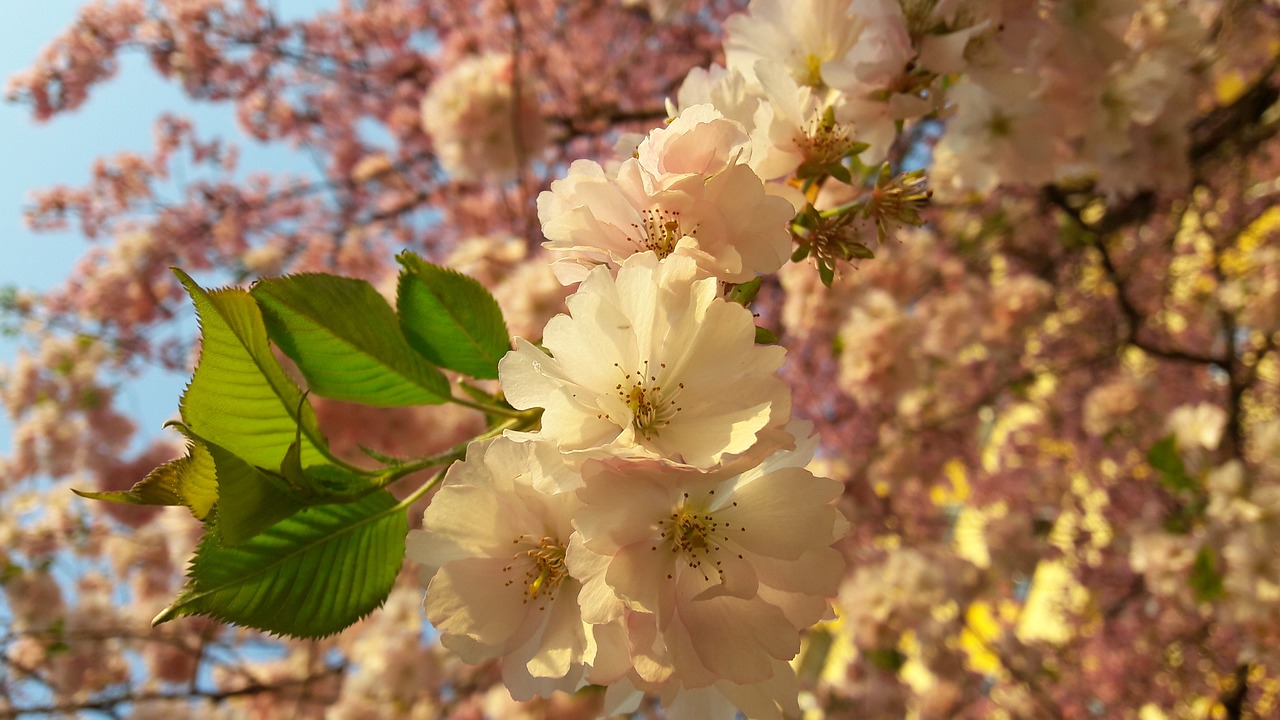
685, 193
472, 112
493, 550
695, 557
652, 364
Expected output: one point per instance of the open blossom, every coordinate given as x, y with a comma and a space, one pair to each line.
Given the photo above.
651, 364
1197, 426
685, 193
693, 558
493, 547
471, 112
795, 126
810, 38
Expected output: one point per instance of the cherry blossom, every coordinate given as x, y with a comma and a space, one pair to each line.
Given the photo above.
650, 364
493, 549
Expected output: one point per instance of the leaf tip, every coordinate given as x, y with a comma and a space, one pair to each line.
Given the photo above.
182, 275
169, 613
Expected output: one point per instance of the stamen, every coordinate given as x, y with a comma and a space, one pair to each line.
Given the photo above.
652, 407
545, 571
660, 230
698, 537
823, 140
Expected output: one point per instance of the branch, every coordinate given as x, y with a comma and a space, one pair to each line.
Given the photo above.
1215, 129
1233, 701
108, 704
1136, 208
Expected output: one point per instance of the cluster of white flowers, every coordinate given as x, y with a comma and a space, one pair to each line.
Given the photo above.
483, 122
662, 507
1070, 90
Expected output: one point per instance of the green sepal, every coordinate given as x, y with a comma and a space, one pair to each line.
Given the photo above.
801, 252
239, 397
744, 293
346, 341
310, 575
765, 336
858, 251
809, 170
450, 319
189, 481
826, 272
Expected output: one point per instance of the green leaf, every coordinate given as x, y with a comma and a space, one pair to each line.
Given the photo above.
346, 340
320, 484
450, 318
239, 397
1205, 580
250, 500
307, 576
189, 481
1164, 458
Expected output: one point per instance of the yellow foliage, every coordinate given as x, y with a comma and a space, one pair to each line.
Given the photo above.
1230, 87
982, 629
1055, 593
1151, 711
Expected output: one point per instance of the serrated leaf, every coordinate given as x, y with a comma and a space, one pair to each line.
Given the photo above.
1205, 580
346, 341
189, 481
1164, 458
250, 500
319, 484
239, 397
450, 319
310, 575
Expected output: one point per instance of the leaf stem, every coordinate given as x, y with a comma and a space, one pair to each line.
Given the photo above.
523, 420
491, 409
426, 487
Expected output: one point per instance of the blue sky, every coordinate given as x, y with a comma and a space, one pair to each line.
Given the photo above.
118, 116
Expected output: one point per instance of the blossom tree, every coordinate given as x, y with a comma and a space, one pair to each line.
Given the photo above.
782, 358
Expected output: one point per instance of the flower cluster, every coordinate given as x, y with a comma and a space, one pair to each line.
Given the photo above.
483, 120
662, 506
